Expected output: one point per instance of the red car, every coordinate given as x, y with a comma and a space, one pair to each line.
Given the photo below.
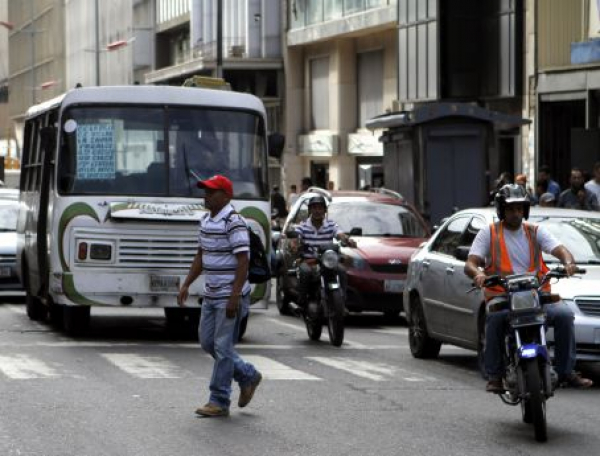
387, 230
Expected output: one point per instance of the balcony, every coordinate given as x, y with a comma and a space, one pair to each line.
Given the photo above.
316, 20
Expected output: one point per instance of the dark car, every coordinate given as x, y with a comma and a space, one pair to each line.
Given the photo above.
387, 230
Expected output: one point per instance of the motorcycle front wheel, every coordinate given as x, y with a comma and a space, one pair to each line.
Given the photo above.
335, 318
314, 325
537, 401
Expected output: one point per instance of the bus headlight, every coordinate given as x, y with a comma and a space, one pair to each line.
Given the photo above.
101, 252
89, 251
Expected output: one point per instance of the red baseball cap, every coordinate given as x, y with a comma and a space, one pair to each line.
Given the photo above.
218, 182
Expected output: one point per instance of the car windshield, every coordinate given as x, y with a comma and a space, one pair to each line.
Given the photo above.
580, 236
9, 210
376, 219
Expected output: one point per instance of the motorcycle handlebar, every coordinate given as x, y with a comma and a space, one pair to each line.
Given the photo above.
555, 273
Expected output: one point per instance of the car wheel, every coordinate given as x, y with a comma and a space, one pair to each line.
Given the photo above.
282, 298
421, 345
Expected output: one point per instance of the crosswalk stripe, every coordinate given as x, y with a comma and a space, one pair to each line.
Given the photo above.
373, 371
144, 366
22, 366
274, 370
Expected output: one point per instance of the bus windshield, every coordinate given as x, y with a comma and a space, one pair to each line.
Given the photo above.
160, 151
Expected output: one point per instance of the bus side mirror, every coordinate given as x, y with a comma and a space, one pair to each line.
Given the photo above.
276, 142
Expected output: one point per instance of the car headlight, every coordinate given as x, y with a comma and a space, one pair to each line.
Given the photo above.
355, 261
330, 259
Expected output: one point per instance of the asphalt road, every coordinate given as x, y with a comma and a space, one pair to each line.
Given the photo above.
128, 388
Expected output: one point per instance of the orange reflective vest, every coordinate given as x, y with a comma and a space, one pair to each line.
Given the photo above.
500, 262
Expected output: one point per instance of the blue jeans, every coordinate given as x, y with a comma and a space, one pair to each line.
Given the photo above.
217, 335
558, 315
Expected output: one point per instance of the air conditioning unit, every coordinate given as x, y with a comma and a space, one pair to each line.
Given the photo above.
237, 50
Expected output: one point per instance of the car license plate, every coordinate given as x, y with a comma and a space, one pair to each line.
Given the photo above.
164, 283
394, 286
5, 272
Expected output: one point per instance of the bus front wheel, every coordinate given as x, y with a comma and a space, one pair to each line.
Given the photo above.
76, 319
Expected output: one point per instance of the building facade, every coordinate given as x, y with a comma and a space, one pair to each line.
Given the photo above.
56, 44
341, 69
251, 60
567, 92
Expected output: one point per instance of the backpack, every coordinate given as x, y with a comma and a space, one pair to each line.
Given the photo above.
259, 270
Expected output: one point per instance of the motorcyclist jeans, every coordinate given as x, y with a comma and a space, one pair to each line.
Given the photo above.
217, 335
558, 315
308, 274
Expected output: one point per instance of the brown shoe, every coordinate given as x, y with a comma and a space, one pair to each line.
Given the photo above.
247, 392
575, 380
494, 386
212, 410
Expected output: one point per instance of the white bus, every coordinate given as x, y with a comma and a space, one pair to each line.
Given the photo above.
109, 202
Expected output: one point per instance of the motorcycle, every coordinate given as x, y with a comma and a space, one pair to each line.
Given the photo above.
325, 300
529, 379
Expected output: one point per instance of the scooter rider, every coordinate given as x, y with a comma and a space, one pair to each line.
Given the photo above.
317, 230
512, 246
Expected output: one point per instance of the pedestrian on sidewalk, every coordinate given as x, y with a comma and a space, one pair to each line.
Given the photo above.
223, 253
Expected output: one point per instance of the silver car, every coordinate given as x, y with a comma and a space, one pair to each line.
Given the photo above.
435, 298
9, 281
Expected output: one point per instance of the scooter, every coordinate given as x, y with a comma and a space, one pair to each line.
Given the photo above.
529, 379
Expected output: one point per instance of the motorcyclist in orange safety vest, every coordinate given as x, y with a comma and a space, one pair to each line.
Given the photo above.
512, 246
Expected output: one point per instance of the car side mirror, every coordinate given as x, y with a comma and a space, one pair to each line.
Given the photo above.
462, 252
356, 231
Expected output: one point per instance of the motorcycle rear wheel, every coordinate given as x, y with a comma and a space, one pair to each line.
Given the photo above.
537, 400
335, 320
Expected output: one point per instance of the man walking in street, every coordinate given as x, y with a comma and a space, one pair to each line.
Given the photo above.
222, 255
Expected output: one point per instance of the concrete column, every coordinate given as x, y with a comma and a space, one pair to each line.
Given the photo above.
293, 165
343, 110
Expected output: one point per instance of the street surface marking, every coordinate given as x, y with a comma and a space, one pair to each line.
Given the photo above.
274, 370
392, 331
373, 371
25, 367
143, 366
302, 328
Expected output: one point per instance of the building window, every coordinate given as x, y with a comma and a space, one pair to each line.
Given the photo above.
370, 86
319, 93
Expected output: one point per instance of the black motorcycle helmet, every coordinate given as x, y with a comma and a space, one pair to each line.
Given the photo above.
317, 200
511, 194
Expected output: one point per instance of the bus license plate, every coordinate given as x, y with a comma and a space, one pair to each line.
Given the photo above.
164, 283
394, 286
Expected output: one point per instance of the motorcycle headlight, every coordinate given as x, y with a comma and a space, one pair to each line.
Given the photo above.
522, 300
330, 259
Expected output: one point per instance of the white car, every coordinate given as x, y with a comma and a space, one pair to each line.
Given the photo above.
9, 281
435, 298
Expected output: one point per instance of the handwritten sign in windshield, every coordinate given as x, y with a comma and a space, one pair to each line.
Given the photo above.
95, 151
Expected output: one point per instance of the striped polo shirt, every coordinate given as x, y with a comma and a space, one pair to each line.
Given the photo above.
220, 239
313, 237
